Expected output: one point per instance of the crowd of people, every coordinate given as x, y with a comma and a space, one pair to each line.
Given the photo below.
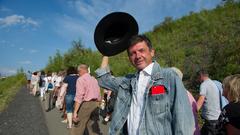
152, 101
73, 92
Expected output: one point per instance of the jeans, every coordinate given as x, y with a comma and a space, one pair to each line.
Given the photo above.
69, 100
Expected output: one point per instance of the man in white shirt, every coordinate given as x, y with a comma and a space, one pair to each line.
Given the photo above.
209, 101
151, 101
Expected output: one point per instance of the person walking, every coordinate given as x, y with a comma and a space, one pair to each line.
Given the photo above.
35, 82
70, 82
29, 76
192, 101
86, 103
209, 101
49, 92
42, 85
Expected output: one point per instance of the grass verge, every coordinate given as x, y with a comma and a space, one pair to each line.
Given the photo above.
9, 87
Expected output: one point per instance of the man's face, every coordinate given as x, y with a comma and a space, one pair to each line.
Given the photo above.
80, 72
140, 55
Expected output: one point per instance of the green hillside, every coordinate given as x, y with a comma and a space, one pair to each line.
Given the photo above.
209, 39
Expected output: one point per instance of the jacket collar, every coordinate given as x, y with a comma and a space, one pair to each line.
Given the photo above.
156, 72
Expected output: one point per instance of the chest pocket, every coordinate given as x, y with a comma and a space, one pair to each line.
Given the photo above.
159, 103
123, 92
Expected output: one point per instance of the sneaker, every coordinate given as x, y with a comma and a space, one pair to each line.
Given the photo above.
64, 121
69, 127
107, 118
47, 110
42, 99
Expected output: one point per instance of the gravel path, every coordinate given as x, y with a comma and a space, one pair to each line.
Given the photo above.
24, 116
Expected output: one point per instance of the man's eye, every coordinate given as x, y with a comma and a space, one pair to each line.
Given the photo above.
131, 54
141, 50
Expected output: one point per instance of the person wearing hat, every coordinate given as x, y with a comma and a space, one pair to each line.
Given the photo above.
152, 101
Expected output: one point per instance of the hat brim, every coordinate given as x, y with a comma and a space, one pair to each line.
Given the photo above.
113, 32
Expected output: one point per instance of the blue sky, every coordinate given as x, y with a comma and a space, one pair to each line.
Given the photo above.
32, 30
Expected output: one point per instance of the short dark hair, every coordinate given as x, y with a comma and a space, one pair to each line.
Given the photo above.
140, 38
202, 72
71, 70
42, 72
49, 73
35, 73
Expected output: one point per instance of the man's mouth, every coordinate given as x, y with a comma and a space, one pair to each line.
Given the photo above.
139, 62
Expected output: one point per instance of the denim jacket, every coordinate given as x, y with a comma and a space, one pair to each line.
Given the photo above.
164, 114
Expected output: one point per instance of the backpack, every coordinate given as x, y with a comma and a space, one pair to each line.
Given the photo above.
50, 85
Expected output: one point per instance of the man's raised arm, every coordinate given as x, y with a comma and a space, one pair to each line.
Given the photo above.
104, 62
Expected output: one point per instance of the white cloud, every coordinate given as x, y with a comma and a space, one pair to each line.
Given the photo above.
4, 9
5, 71
3, 41
73, 28
26, 62
20, 48
12, 45
17, 20
33, 51
148, 13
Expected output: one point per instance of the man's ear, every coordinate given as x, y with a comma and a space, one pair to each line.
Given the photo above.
152, 52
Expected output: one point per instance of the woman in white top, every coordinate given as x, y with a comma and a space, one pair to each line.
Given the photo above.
34, 82
58, 84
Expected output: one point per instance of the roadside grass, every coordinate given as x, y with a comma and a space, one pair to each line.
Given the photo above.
9, 87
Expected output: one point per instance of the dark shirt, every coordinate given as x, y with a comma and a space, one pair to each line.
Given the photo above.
231, 115
71, 81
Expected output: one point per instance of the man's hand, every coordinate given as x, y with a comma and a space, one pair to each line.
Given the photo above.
75, 111
104, 62
75, 117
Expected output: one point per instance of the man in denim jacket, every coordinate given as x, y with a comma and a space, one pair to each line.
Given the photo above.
153, 101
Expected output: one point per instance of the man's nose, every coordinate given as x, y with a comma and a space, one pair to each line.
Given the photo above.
138, 54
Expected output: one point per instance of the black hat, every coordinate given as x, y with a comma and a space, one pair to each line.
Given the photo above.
113, 32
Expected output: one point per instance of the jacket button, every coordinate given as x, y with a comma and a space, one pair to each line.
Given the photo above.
115, 129
122, 118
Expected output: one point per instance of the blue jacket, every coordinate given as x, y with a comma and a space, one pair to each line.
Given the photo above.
164, 114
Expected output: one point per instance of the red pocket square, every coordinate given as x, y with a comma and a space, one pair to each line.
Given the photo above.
160, 89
